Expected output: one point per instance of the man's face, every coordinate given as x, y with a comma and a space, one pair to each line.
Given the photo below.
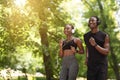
92, 22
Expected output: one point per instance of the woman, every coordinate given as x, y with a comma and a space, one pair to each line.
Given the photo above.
68, 48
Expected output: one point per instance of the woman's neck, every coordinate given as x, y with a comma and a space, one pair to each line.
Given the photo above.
69, 37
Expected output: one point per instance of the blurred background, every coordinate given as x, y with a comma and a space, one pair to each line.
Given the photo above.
31, 29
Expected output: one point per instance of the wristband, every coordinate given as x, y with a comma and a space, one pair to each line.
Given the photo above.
95, 45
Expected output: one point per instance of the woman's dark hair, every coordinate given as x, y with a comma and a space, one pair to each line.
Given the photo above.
71, 26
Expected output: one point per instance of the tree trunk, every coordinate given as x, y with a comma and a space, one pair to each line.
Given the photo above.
102, 14
114, 64
46, 56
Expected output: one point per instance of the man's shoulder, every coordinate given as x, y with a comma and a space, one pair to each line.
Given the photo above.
87, 33
102, 32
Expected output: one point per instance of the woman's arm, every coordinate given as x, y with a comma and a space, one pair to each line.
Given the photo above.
80, 46
61, 50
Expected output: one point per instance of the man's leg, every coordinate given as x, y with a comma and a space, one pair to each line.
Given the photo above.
91, 73
102, 75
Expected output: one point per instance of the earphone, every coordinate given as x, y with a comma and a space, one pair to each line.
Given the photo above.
98, 20
73, 31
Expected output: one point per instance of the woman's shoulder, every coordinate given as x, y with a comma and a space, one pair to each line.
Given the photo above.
76, 39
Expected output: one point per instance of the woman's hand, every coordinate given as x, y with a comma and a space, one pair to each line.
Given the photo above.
60, 43
73, 49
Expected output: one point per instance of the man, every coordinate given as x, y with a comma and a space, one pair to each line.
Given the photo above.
97, 49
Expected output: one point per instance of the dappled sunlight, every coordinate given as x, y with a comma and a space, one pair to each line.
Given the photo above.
75, 9
34, 35
81, 78
12, 74
20, 3
118, 35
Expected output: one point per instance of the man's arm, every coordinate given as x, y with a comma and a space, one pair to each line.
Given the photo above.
103, 50
106, 48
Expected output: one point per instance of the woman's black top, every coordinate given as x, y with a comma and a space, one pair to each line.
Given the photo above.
67, 45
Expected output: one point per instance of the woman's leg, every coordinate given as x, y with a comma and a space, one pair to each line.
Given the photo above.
63, 73
73, 71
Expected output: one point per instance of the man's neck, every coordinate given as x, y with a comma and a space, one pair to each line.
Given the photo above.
94, 30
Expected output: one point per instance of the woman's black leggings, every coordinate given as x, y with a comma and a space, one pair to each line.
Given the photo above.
69, 68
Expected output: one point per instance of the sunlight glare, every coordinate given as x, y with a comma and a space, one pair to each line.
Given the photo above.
20, 3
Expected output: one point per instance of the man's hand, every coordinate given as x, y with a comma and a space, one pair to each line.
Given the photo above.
92, 41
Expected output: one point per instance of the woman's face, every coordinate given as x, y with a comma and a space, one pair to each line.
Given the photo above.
68, 30
92, 22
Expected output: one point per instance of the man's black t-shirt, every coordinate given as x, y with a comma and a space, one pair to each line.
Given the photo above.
95, 57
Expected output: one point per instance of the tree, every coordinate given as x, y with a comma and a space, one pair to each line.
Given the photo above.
47, 11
